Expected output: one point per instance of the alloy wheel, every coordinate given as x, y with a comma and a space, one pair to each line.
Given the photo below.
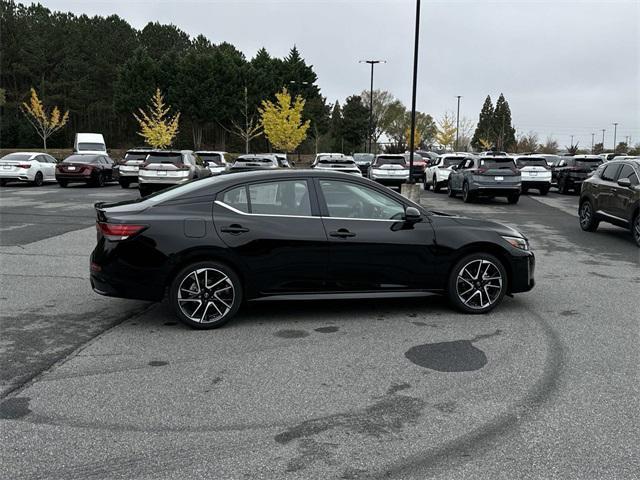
38, 180
636, 229
479, 284
206, 295
586, 214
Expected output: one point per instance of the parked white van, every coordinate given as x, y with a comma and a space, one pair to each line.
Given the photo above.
90, 143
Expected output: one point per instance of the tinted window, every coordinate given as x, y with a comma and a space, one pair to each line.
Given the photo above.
531, 162
448, 161
135, 156
164, 158
468, 163
289, 197
382, 160
81, 159
588, 162
237, 198
627, 172
363, 157
497, 162
610, 171
348, 200
17, 156
91, 146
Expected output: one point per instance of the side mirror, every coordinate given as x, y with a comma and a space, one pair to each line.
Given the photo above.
624, 182
412, 215
455, 167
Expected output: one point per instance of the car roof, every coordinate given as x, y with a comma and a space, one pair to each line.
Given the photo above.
33, 154
210, 151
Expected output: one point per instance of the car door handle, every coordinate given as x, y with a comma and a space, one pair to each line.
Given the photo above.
234, 229
342, 233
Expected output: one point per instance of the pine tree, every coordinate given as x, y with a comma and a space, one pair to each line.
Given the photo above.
355, 124
484, 131
335, 128
505, 134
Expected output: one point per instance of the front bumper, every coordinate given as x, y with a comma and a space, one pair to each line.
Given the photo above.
522, 273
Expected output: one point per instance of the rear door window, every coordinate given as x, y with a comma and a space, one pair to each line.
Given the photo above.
237, 198
287, 197
610, 172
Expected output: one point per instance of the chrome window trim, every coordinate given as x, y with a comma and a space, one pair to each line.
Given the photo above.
240, 212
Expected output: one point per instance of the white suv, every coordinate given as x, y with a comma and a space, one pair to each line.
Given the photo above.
535, 173
164, 168
437, 174
32, 167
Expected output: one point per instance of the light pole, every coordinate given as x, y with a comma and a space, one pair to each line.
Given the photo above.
413, 94
603, 130
571, 141
592, 137
615, 131
458, 120
372, 63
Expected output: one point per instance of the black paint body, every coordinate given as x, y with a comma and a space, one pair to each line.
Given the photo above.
277, 255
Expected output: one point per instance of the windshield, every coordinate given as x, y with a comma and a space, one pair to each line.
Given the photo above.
81, 159
449, 161
212, 158
588, 162
164, 158
91, 146
17, 156
497, 163
363, 157
390, 161
531, 162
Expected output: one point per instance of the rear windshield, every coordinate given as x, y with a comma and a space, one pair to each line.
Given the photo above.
91, 146
588, 162
390, 161
327, 160
164, 158
211, 158
363, 157
497, 163
17, 156
531, 162
448, 161
81, 159
135, 156
254, 160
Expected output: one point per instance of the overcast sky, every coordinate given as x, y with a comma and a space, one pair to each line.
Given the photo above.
566, 67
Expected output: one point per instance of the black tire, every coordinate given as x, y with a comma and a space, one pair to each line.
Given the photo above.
38, 180
467, 196
63, 183
544, 190
229, 300
635, 228
513, 198
563, 188
451, 192
525, 190
99, 180
587, 217
436, 186
3, 182
455, 287
426, 185
124, 183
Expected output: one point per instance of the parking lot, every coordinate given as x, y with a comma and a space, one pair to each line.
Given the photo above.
545, 386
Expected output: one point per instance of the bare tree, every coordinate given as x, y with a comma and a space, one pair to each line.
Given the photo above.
527, 143
550, 146
251, 127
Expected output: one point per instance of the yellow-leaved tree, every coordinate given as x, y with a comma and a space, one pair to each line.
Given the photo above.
486, 143
446, 131
156, 127
417, 137
282, 121
44, 123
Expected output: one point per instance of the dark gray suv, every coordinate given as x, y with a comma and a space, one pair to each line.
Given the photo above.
485, 177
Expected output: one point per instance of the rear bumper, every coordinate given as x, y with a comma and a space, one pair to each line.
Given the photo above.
70, 177
495, 190
536, 183
162, 181
22, 176
522, 273
391, 181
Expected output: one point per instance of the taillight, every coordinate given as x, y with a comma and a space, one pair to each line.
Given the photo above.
24, 165
481, 170
118, 231
181, 166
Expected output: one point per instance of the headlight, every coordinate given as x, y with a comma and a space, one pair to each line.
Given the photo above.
518, 242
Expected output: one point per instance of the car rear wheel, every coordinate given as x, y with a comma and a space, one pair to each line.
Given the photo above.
206, 295
467, 196
38, 180
588, 220
124, 183
635, 228
99, 181
436, 186
477, 283
513, 199
451, 192
426, 184
63, 183
563, 187
544, 190
3, 182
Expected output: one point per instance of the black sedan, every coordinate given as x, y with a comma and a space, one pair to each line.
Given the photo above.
282, 234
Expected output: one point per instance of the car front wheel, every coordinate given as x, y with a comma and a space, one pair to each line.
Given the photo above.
635, 228
477, 283
206, 295
467, 196
588, 220
38, 180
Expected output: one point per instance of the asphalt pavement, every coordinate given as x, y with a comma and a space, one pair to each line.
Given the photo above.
546, 386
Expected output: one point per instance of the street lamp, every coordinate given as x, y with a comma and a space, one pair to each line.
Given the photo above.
592, 137
603, 130
413, 93
458, 120
615, 131
372, 63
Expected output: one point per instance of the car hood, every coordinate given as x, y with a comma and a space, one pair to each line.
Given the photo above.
452, 221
